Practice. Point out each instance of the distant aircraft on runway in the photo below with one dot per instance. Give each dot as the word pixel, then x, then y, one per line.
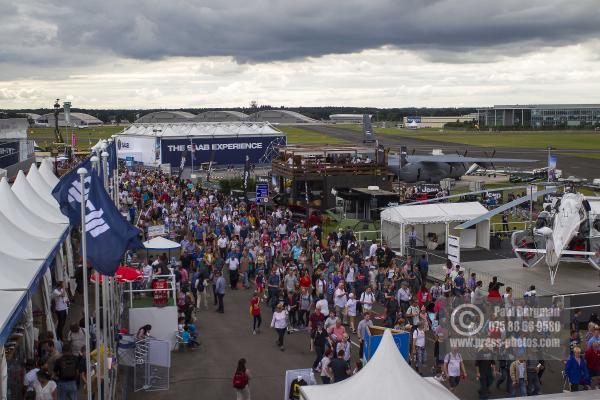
pixel 435 167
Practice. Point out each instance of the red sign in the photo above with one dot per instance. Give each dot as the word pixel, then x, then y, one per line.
pixel 160 297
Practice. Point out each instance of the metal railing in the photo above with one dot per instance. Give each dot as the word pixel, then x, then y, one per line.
pixel 172 289
pixel 511 227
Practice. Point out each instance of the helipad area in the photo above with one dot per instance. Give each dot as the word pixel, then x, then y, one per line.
pixel 221 143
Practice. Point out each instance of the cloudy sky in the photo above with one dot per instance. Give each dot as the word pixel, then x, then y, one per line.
pixel 225 53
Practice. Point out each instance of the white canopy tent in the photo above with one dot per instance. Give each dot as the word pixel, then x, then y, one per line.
pixel 35 202
pixel 439 219
pixel 380 379
pixel 46 168
pixel 40 186
pixel 160 243
pixel 20 215
pixel 32 232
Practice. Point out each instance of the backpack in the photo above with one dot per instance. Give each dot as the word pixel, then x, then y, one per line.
pixel 240 380
pixel 68 368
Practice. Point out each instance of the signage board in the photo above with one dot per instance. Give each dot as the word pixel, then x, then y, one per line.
pixel 453 249
pixel 262 193
pixel 142 149
pixel 156 230
pixel 222 151
pixel 129 160
pixel 9 152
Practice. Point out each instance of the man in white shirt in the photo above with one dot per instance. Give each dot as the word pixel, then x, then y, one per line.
pixel 339 301
pixel 61 307
pixel 367 299
pixel 323 305
pixel 418 347
pixel 233 263
pixel 222 243
pixel 373 249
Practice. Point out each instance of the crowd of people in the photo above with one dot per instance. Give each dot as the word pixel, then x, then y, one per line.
pixel 330 286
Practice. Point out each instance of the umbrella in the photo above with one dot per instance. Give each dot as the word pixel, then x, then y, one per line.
pixel 123 274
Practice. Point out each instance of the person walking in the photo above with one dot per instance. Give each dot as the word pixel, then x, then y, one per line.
pixel 255 312
pixel 66 370
pixel 279 322
pixel 61 307
pixel 576 370
pixel 220 291
pixel 241 381
pixel 363 326
pixel 454 368
pixel 320 339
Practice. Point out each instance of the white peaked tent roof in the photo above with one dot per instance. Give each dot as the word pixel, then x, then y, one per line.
pixel 41 186
pixel 20 215
pixel 35 202
pixel 433 213
pixel 47 173
pixel 20 244
pixel 160 243
pixel 9 303
pixel 17 274
pixel 386 376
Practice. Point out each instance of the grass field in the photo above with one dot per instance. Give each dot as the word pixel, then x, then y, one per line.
pixel 297 135
pixel 586 140
pixel 86 137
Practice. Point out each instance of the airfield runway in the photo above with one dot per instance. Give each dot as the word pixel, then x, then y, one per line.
pixel 576 166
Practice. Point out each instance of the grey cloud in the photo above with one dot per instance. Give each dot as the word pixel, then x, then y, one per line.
pixel 268 30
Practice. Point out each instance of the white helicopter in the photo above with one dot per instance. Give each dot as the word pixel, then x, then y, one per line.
pixel 568 229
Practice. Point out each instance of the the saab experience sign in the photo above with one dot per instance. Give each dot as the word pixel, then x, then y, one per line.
pixel 219 150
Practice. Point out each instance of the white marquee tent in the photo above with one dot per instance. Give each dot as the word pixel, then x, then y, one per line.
pixel 386 376
pixel 32 234
pixel 160 243
pixel 439 219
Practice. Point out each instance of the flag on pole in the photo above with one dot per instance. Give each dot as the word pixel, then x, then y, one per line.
pixel 108 234
pixel 67 191
pixel 246 175
pixel 112 157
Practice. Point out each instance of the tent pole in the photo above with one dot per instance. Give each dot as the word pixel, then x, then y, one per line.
pixel 86 308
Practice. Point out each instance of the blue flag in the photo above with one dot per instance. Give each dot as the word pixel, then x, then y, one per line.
pixel 112 157
pixel 68 195
pixel 108 234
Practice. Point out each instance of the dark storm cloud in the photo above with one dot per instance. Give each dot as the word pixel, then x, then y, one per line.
pixel 266 30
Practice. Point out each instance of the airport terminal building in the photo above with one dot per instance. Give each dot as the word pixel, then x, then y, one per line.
pixel 541 115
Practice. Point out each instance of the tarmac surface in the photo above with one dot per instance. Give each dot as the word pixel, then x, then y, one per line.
pixel 207 372
pixel 576 166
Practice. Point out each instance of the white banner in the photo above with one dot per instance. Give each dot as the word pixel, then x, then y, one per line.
pixel 454 249
pixel 142 149
pixel 156 230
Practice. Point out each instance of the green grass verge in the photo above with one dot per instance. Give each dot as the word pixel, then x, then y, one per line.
pixel 587 140
pixel 594 156
pixel 296 135
pixel 44 137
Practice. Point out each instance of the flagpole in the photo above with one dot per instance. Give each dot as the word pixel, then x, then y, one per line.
pixel 105 300
pixel 95 160
pixel 86 307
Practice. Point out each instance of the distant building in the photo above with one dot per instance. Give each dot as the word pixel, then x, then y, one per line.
pixel 436 122
pixel 540 115
pixel 220 116
pixel 160 117
pixel 281 117
pixel 347 118
pixel 77 120
pixel 16 151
